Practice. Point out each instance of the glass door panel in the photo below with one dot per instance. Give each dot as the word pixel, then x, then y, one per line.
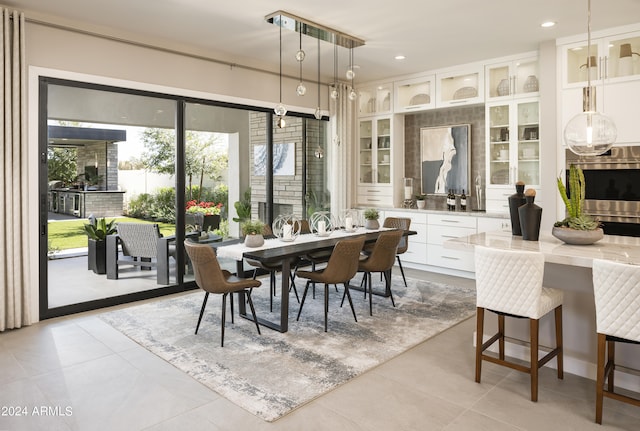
pixel 528 143
pixel 499 148
pixel 383 128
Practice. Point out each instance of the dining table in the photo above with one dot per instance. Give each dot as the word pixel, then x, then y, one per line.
pixel 288 253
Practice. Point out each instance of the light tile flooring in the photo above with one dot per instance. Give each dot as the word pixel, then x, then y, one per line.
pixel 110 383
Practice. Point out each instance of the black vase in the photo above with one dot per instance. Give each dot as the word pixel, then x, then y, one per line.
pixel 97 256
pixel 516 201
pixel 530 217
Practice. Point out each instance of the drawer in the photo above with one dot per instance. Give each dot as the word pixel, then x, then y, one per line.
pixel 417 253
pixel 437 255
pixel 375 191
pixel 497 206
pixel 488 224
pixel 439 234
pixel 452 220
pixel 416 218
pixel 421 234
pixel 375 201
pixel 503 194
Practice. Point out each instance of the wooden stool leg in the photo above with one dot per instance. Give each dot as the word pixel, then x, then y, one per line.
pixel 559 343
pixel 501 340
pixel 534 324
pixel 602 342
pixel 479 332
pixel 611 358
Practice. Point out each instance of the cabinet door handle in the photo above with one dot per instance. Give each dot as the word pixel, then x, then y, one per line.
pixel 448 236
pixel 512 87
pixel 450 257
pixel 450 221
pixel 457 101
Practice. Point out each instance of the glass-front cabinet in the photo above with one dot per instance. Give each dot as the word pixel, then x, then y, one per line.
pixel 612 58
pixel 513 143
pixel 415 94
pixel 510 79
pixel 375 156
pixel 375 100
pixel 460 87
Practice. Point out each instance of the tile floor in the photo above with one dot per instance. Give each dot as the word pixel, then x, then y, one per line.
pixel 88 376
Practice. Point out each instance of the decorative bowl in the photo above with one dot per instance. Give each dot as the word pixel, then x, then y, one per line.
pixel 577 237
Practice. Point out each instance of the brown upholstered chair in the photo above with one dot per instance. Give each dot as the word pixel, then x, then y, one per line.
pixel 403 223
pixel 212 279
pixel 341 268
pixel 272 268
pixel 381 260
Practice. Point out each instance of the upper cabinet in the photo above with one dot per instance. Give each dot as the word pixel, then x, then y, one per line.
pixel 461 87
pixel 614 58
pixel 512 79
pixel 415 94
pixel 375 100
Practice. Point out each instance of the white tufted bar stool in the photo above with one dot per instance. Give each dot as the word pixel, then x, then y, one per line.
pixel 616 287
pixel 509 283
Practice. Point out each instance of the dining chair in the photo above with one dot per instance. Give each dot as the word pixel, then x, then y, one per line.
pixel 616 288
pixel 213 279
pixel 381 259
pixel 342 266
pixel 509 283
pixel 403 223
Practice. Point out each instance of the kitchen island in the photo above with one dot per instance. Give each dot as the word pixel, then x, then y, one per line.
pixel 567 267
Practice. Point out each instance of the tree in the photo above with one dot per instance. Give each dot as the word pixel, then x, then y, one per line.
pixel 201 155
pixel 62 164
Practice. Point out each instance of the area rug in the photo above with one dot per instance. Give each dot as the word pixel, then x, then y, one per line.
pixel 273 374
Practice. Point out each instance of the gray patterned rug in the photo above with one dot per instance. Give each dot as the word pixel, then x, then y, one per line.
pixel 272 374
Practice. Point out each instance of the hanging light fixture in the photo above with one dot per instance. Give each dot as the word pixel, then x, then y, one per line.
pixel 351 75
pixel 318 112
pixel 279 109
pixel 590 133
pixel 300 55
pixel 334 87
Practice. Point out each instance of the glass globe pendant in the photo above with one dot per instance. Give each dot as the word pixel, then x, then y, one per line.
pixel 280 110
pixel 352 94
pixel 590 133
pixel 301 90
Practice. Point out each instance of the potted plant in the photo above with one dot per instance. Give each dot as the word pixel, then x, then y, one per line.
pixel 97 230
pixel 252 230
pixel 210 212
pixel 421 201
pixel 371 215
pixel 577 227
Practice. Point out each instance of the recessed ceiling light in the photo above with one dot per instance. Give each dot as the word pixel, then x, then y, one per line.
pixel 400 57
pixel 547 24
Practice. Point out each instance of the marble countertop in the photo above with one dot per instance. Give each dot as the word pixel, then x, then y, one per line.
pixel 611 247
pixel 453 213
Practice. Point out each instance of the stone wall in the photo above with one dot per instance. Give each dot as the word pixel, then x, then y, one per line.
pixel 104 156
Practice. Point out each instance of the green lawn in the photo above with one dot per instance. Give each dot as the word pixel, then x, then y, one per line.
pixel 68 234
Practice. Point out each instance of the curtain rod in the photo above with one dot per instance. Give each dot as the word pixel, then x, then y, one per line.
pixel 158 48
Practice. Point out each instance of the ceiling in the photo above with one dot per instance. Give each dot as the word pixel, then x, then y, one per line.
pixel 431 33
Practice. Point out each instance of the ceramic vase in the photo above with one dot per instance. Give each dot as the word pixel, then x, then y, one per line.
pixel 372 224
pixel 530 217
pixel 421 204
pixel 531 84
pixel 516 201
pixel 253 240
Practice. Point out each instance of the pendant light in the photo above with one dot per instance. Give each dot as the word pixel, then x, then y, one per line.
pixel 590 133
pixel 318 112
pixel 300 55
pixel 350 75
pixel 334 88
pixel 279 109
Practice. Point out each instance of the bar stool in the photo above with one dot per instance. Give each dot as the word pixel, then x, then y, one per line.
pixel 509 283
pixel 616 288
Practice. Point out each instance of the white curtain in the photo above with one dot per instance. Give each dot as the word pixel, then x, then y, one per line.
pixel 14 250
pixel 342 142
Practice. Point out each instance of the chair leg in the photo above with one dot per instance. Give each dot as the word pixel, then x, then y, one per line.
pixel 304 295
pixel 346 291
pixel 326 305
pixel 368 284
pixel 611 353
pixel 387 276
pixel 501 339
pixel 253 312
pixel 224 312
pixel 231 304
pixel 401 270
pixel 534 324
pixel 204 304
pixel 602 346
pixel 559 342
pixel 293 286
pixel 363 284
pixel 479 339
pixel 313 269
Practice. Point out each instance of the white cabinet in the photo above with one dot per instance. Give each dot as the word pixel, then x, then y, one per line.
pixel 442 227
pixel 491 224
pixel 512 79
pixel 415 94
pixel 375 100
pixel 615 74
pixel 460 87
pixel 417 251
pixel 614 58
pixel 380 162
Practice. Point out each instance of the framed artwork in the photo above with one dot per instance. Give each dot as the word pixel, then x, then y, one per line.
pixel 445 157
pixel 284 159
